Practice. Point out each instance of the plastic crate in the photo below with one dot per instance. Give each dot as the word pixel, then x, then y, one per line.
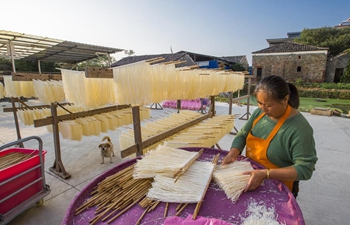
pixel 19 175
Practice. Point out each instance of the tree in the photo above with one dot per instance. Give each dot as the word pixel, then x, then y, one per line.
pixel 5 65
pixel 101 61
pixel 237 67
pixel 337 40
pixel 345 78
pixel 129 52
pixel 27 66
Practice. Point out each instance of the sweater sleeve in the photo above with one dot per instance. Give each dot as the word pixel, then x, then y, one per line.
pixel 240 140
pixel 304 154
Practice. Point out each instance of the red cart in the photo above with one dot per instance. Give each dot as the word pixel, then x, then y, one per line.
pixel 22 185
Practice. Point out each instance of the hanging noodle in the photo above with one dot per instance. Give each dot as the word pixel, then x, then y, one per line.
pixel 49 91
pixel 158 82
pixel 2 91
pixel 18 88
pixel 88 93
pixel 129 78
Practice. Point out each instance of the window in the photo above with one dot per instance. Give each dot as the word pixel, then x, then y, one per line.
pixel 299 69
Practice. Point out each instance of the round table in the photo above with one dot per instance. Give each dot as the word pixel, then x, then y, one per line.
pixel 272 193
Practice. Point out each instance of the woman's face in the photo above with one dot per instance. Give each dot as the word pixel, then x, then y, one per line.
pixel 272 108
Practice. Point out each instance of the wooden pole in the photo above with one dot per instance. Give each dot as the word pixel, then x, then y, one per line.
pixel 57 167
pixel 16 121
pixel 137 130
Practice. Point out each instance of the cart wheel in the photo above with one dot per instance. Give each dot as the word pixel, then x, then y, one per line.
pixel 39 203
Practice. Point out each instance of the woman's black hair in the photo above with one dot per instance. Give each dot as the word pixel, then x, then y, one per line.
pixel 278 89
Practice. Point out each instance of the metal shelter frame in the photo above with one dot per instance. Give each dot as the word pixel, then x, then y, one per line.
pixel 14 45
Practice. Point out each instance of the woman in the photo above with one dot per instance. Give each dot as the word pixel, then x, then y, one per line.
pixel 277 136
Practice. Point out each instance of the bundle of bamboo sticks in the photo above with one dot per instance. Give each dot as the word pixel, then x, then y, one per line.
pixel 115 194
pixel 13 158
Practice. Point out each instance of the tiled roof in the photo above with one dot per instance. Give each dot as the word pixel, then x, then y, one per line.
pixel 235 59
pixel 290 47
pixel 167 58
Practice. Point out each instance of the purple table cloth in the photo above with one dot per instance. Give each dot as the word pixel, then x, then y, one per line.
pixel 272 193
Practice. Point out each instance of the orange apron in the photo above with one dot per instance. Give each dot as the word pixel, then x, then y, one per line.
pixel 256 148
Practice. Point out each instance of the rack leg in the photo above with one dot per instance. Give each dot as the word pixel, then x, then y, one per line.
pixel 57 167
pixel 156 106
pixel 234 133
pixel 16 122
pixel 245 114
pixel 59 170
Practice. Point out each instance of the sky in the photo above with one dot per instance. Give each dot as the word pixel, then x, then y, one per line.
pixel 217 27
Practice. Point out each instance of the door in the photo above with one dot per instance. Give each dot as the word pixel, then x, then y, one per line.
pixel 258 73
pixel 337 74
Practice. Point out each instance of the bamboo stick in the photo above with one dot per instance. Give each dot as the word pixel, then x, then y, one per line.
pixel 124 210
pixel 178 207
pixel 143 214
pixel 183 169
pixel 180 210
pixel 166 209
pixel 155 204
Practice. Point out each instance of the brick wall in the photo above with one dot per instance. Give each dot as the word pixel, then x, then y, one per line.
pixel 312 66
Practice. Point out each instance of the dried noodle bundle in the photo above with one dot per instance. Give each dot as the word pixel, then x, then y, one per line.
pixel 152 163
pixel 204 134
pixel 190 188
pixel 230 178
pixel 153 128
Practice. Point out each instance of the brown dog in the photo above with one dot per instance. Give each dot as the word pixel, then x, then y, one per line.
pixel 106 149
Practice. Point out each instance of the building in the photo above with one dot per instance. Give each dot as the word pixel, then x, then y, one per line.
pixel 209 61
pixel 344 24
pixel 336 67
pixel 179 56
pixel 290 37
pixel 190 58
pixel 292 61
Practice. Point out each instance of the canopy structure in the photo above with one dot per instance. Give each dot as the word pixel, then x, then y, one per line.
pixel 15 45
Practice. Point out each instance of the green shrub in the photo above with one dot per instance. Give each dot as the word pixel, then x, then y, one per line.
pixel 324 93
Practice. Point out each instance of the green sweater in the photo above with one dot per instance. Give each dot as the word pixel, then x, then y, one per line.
pixel 292 145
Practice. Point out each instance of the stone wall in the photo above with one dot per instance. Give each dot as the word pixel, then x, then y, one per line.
pixel 312 66
pixel 336 63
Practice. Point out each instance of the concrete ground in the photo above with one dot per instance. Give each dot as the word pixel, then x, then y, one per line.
pixel 324 199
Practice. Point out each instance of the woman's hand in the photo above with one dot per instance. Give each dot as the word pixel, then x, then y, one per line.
pixel 231 156
pixel 256 178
